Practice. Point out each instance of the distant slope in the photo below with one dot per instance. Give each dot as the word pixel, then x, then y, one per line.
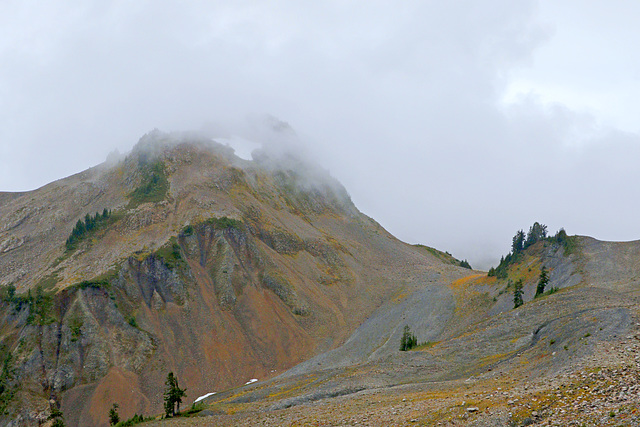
pixel 445 257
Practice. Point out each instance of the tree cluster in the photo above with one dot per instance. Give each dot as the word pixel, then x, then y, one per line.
pixel 537 233
pixel 408 340
pixel 82 228
pixel 7 380
pixel 39 306
pixel 173 395
pixel 519 242
pixel 114 418
pixel 465 264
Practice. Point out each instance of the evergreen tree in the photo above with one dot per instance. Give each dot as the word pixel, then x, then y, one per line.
pixel 465 264
pixel 517 294
pixel 173 395
pixel 11 292
pixel 56 416
pixel 542 281
pixel 561 236
pixel 517 244
pixel 80 229
pixel 88 220
pixel 537 232
pixel 408 340
pixel 114 417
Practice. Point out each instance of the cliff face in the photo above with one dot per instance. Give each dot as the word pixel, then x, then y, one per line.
pixel 198 262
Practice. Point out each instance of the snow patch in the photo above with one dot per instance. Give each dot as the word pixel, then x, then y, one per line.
pixel 242 147
pixel 204 397
pixel 251 381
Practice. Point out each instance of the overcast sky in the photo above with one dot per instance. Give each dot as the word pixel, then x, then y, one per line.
pixel 452 123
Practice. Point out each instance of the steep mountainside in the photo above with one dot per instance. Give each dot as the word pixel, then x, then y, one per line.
pixel 183 257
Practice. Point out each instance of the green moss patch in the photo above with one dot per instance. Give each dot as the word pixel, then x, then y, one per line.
pixel 170 254
pixel 153 187
pixel 223 223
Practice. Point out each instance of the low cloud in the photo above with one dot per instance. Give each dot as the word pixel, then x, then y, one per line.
pixel 403 103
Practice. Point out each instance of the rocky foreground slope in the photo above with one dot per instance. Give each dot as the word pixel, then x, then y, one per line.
pixel 568 357
pixel 183 257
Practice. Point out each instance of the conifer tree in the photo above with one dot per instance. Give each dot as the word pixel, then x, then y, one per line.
pixel 173 395
pixel 517 244
pixel 408 340
pixel 114 417
pixel 542 281
pixel 537 232
pixel 517 294
pixel 56 416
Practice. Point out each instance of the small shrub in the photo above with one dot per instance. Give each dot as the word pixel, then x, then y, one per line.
pixel 102 281
pixel 188 230
pixel 94 284
pixel 75 326
pixel 49 281
pixel 195 408
pixel 10 293
pixel 552 342
pixel 132 321
pixel 136 419
pixel 56 416
pixel 170 254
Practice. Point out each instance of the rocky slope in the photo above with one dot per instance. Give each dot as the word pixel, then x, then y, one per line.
pixel 183 257
pixel 569 356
